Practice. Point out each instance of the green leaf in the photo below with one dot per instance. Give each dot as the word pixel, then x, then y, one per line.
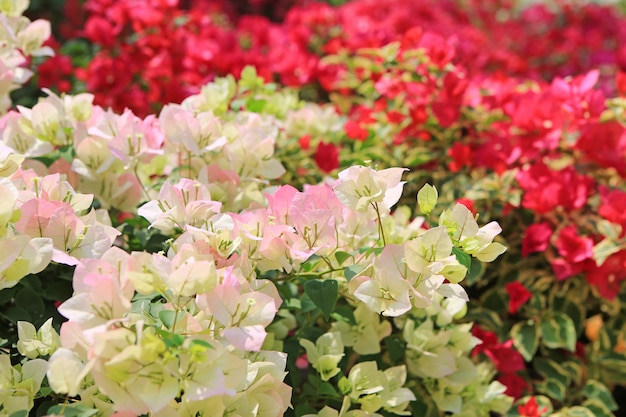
pixel 323 293
pixel 341 256
pixel 167 317
pixel 577 411
pixel 604 249
pixel 559 331
pixel 551 370
pixel 326 389
pixel 427 199
pixel 344 313
pixel 463 258
pixel 574 370
pixel 396 348
pixel 552 388
pixel 595 390
pixel 525 338
pixel 255 106
pixel 306 304
pixel 598 408
pixel 352 271
pixel 27 297
pixel 72 410
pixel 475 272
pixel 21 413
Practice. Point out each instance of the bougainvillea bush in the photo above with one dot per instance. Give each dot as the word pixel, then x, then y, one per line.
pixel 245 252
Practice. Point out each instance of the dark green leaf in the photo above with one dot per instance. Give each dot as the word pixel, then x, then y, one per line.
pixel 598 408
pixel 463 258
pixel 525 338
pixel 323 293
pixel 553 389
pixel 558 331
pixel 595 390
pixel 396 348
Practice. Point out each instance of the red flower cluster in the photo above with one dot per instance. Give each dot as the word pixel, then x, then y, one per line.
pixel 156 51
pixel 531 408
pixel 506 359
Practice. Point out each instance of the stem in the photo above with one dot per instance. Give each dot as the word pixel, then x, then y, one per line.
pixel 380 224
pixel 143 187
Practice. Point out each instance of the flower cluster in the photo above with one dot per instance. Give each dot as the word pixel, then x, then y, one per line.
pixel 269 256
pixel 20 39
pixel 154 52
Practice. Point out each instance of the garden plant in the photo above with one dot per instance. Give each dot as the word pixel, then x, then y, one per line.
pixel 376 208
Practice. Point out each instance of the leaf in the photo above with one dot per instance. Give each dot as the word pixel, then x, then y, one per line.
pixel 559 332
pixel 553 389
pixel 604 249
pixel 551 370
pixel 396 348
pixel 72 410
pixel 463 258
pixel 323 293
pixel 167 317
pixel 577 411
pixel 427 199
pixel 526 338
pixel 255 106
pixel 352 271
pixel 475 272
pixel 598 408
pixel 326 389
pixel 341 256
pixel 595 390
pixel 345 314
pixel 27 297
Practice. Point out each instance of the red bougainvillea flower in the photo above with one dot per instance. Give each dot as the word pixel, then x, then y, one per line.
pixel 516 386
pixel 620 81
pixel 536 238
pixel 573 247
pixel 518 296
pixel 531 408
pixel 327 156
pixel 609 275
pixel 504 356
pixel 545 189
pixel 461 156
pixel 467 203
pixel 304 142
pixel 613 206
pixel 55 72
pixel 605 145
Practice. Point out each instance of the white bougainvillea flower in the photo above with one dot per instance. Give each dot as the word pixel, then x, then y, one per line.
pixel 475 241
pixel 65 372
pixel 33 343
pixel 364 336
pixel 19 384
pixel 325 354
pixel 360 188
